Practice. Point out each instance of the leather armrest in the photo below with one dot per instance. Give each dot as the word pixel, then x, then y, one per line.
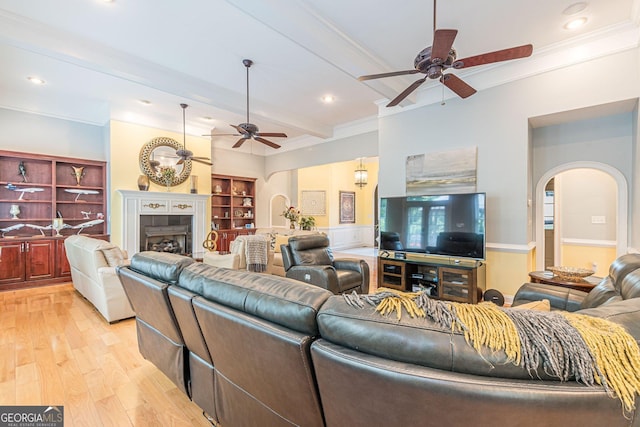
pixel 348 264
pixel 323 276
pixel 559 297
pixel 358 265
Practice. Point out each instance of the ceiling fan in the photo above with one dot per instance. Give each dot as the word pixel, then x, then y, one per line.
pixel 249 130
pixel 183 153
pixel 434 60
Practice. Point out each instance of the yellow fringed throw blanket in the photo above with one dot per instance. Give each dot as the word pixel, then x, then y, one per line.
pixel 590 349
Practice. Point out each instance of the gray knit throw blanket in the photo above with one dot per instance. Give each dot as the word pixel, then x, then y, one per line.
pixel 256 253
pixel 565 345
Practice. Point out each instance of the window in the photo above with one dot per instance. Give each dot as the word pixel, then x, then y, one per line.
pixel 414 231
pixel 436 224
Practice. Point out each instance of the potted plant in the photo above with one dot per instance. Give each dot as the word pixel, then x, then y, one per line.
pixel 306 222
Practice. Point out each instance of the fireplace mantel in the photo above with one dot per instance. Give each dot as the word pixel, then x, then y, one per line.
pixel 136 203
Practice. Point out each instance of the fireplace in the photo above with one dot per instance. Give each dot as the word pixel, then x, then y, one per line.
pixel 166 238
pixel 165 222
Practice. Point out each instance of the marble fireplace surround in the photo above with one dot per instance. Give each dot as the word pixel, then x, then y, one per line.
pixel 136 203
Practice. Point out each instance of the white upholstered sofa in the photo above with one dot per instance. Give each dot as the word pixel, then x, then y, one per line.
pixel 93 264
pixel 236 259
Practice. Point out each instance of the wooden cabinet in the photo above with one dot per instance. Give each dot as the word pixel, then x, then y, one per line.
pixel 225 237
pixel 63 269
pixel 391 274
pixel 34 190
pixel 12 261
pixel 457 281
pixel 26 261
pixel 233 200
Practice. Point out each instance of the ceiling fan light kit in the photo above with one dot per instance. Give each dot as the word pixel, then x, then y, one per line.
pixel 434 60
pixel 248 130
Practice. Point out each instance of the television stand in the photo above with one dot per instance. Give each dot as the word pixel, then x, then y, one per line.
pixel 446 278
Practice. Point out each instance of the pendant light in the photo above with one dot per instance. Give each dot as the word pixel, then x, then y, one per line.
pixel 361 175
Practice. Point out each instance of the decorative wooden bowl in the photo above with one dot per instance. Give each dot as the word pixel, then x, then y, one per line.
pixel 571 274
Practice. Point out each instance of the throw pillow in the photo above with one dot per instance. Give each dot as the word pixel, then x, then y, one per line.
pixel 543 305
pixel 114 256
pixel 281 240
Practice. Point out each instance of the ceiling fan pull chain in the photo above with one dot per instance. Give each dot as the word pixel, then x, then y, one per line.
pixel 247 64
pixel 434 15
pixel 184 129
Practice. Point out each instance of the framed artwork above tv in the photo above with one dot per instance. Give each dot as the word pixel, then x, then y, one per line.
pixel 347 207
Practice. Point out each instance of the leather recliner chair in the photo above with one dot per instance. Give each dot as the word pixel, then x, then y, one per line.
pixel 390 240
pixel 309 259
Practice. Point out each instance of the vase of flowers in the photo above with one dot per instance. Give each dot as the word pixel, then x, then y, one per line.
pixel 292 214
pixel 167 175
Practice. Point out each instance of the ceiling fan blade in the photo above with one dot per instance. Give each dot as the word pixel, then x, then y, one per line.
pixel 239 142
pixel 442 42
pixel 497 56
pixel 276 134
pixel 239 129
pixel 394 73
pixel 267 142
pixel 457 85
pixel 200 160
pixel 406 92
pixel 221 134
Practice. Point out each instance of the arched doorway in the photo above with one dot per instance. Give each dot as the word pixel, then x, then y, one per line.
pixel 621 205
pixel 277 204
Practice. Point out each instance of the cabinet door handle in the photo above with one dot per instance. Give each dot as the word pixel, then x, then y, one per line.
pixel 26 246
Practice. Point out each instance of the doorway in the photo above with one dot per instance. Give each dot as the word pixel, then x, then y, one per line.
pixel 589 210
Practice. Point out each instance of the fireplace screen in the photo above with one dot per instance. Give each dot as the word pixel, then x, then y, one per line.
pixel 166 233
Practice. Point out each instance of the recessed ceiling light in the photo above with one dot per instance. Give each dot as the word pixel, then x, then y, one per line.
pixel 575 23
pixel 575 8
pixel 327 99
pixel 144 102
pixel 35 80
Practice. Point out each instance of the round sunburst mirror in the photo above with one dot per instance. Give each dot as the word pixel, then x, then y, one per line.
pixel 157 159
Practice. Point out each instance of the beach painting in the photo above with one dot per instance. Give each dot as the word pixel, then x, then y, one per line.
pixel 444 172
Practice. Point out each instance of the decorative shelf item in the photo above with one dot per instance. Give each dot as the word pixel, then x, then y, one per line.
pixel 571 274
pixel 11 228
pixel 80 192
pixel 78 172
pixel 23 190
pixel 14 211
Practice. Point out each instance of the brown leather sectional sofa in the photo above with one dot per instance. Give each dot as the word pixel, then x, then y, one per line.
pixel 260 350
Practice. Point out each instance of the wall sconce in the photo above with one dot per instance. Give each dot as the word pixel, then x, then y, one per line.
pixel 361 175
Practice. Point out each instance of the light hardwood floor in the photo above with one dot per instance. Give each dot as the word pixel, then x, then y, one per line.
pixel 57 350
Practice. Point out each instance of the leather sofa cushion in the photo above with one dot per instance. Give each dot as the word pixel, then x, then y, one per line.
pixel 418 341
pixel 630 285
pixel 160 266
pixel 283 301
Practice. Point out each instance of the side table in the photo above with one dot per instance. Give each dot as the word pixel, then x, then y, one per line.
pixel 549 278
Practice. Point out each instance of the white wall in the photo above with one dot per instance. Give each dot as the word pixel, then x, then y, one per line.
pixel 338 150
pixel 607 140
pixel 581 202
pixel 496 120
pixel 45 135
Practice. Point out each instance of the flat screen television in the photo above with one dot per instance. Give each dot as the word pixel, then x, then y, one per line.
pixel 447 224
